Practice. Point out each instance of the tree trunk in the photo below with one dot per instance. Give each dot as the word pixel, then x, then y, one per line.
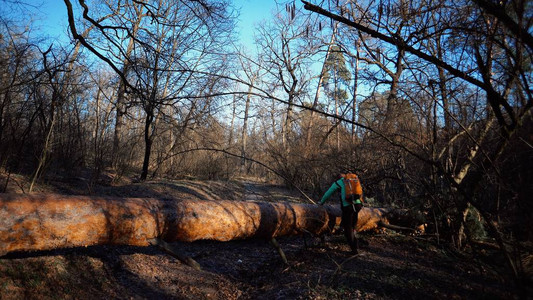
pixel 317 94
pixel 337 104
pixel 121 94
pixel 148 139
pixel 245 124
pixel 119 123
pixel 392 99
pixel 355 81
pixel 232 123
pixel 48 221
pixel 45 151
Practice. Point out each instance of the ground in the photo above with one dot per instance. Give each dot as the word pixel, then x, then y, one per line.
pixel 392 266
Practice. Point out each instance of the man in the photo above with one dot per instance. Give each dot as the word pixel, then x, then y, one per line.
pixel 351 204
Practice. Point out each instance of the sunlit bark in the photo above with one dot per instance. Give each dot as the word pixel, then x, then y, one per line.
pixel 48 221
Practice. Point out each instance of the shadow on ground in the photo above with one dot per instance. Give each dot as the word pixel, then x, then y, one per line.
pixel 391 267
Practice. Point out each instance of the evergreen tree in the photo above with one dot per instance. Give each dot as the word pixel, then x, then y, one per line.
pixel 336 76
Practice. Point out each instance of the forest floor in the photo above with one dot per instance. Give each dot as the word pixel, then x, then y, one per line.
pixel 392 266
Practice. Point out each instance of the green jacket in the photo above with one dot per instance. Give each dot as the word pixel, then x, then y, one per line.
pixel 334 187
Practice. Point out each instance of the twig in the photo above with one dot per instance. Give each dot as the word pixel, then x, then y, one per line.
pixel 172 252
pixel 276 245
pixel 339 266
pixel 395 227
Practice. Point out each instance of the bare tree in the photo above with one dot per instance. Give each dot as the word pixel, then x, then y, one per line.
pixel 166 47
pixel 286 54
pixel 252 75
pixel 456 53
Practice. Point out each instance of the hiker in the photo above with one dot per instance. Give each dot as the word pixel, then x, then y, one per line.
pixel 351 204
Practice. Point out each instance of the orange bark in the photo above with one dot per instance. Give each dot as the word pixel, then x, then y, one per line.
pixel 48 221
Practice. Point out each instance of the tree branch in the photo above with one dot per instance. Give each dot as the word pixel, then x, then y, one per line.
pixel 83 41
pixel 495 99
pixel 498 11
pixel 398 42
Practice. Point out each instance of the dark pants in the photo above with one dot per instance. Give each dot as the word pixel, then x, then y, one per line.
pixel 349 220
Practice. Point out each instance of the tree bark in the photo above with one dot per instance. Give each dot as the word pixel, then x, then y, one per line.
pixel 317 93
pixel 355 82
pixel 148 140
pixel 245 123
pixel 48 221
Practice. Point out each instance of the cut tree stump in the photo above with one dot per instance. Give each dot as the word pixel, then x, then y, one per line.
pixel 48 221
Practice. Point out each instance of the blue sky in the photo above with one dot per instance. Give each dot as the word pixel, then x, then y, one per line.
pixel 52 20
pixel 252 12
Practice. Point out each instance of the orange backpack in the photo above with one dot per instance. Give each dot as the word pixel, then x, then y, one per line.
pixel 352 186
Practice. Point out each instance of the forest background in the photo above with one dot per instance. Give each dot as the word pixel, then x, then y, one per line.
pixel 428 101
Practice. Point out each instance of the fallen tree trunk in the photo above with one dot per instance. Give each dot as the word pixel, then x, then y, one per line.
pixel 48 221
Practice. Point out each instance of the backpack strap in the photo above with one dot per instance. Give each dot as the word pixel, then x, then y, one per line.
pixel 340 187
pixel 336 183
